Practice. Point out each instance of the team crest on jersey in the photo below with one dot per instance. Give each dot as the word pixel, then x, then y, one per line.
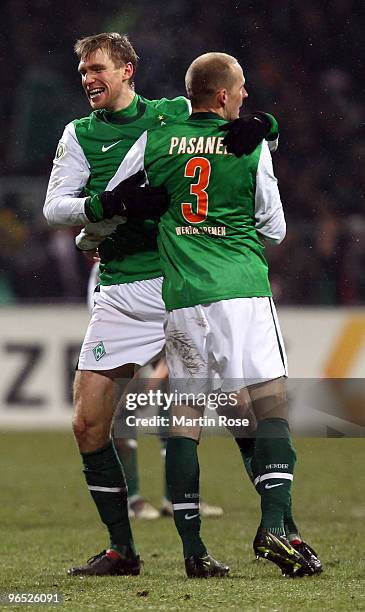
pixel 99 351
pixel 61 150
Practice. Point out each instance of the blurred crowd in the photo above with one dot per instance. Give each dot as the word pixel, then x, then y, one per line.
pixel 302 61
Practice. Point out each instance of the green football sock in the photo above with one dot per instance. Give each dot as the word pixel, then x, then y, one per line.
pixel 182 474
pixel 247 449
pixel 275 460
pixel 166 492
pixel 291 529
pixel 105 479
pixel 127 451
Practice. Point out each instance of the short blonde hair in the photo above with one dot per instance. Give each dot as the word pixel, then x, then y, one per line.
pixel 118 47
pixel 207 74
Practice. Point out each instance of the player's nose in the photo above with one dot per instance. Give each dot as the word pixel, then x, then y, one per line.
pixel 89 78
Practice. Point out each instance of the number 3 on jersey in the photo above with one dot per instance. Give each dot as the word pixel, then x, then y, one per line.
pixel 202 165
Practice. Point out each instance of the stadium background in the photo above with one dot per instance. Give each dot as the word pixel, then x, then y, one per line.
pixel 304 63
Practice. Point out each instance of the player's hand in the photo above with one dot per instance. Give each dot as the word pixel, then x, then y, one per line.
pixel 245 133
pixel 129 199
pixel 92 256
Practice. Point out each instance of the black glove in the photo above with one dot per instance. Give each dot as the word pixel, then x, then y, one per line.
pixel 129 199
pixel 246 132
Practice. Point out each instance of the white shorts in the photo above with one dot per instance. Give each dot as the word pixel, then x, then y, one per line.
pixel 93 281
pixel 126 326
pixel 228 344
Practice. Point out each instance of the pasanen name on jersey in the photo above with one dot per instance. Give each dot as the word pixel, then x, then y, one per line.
pixel 212 145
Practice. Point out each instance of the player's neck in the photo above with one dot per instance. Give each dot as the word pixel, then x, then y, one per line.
pixel 208 109
pixel 124 100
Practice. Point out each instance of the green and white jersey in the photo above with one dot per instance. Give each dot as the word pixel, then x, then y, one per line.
pixel 87 157
pixel 210 238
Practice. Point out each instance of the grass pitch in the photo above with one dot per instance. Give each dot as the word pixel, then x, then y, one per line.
pixel 48 523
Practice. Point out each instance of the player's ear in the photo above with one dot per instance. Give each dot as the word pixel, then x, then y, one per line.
pixel 128 70
pixel 222 97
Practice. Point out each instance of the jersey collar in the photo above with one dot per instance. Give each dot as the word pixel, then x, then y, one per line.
pixel 206 115
pixel 134 111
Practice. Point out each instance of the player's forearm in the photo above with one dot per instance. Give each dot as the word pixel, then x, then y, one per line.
pixel 269 214
pixel 273 228
pixel 65 210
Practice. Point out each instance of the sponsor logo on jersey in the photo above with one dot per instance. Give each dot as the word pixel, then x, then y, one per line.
pixel 279 466
pixel 99 351
pixel 190 230
pixel 279 484
pixel 105 148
